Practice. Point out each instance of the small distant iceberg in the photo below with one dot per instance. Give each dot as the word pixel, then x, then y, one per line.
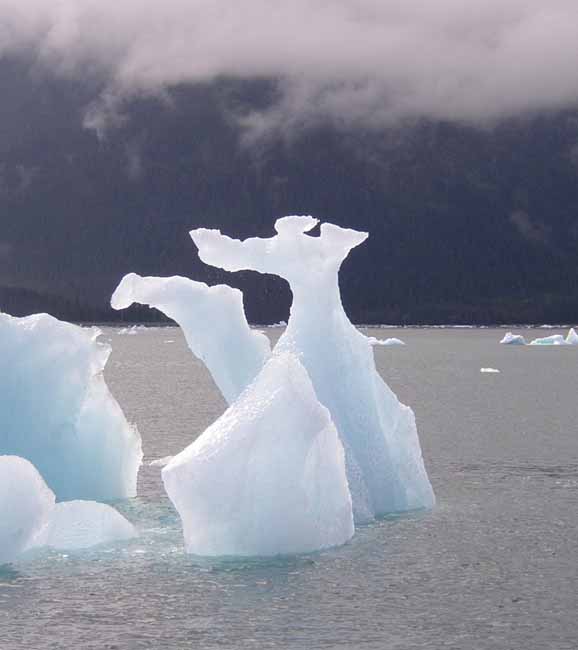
pixel 131 331
pixel 572 337
pixel 513 339
pixel 489 370
pixel 555 339
pixel 385 342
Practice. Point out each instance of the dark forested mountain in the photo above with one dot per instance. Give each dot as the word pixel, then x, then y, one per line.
pixel 466 225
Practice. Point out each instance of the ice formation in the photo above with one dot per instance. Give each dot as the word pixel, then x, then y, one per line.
pixel 57 411
pixel 25 506
pixel 268 477
pixel 133 330
pixel 555 339
pixel 30 516
pixel 489 370
pixel 384 462
pixel 572 337
pixel 213 321
pixel 513 339
pixel 385 342
pixel 74 525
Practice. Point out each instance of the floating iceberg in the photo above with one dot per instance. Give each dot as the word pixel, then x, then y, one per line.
pixel 213 321
pixel 133 330
pixel 555 339
pixel 74 525
pixel 25 506
pixel 385 342
pixel 572 337
pixel 268 477
pixel 57 411
pixel 384 462
pixel 513 339
pixel 489 370
pixel 30 516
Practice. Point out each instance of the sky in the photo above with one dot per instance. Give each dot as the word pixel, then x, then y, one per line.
pixel 353 62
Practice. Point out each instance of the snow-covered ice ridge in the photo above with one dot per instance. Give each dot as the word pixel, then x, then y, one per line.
pixel 267 477
pixel 56 409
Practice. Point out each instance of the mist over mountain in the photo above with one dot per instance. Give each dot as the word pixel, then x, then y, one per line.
pixel 467 223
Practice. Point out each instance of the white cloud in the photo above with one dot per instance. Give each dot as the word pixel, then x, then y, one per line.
pixel 353 61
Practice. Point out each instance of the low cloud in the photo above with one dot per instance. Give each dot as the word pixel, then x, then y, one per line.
pixel 366 62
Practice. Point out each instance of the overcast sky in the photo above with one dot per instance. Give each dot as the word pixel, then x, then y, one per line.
pixel 354 61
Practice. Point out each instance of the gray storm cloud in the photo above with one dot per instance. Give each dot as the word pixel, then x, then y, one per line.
pixel 368 62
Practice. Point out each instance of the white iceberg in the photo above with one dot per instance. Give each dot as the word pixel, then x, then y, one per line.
pixel 384 462
pixel 25 506
pixel 30 516
pixel 555 339
pixel 56 409
pixel 489 370
pixel 572 337
pixel 268 477
pixel 513 339
pixel 133 330
pixel 74 525
pixel 213 322
pixel 384 342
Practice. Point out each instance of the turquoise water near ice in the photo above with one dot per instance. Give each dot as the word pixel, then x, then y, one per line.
pixel 493 566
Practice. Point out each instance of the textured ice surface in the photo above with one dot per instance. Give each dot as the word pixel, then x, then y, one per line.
pixel 384 461
pixel 56 410
pixel 25 505
pixel 82 524
pixel 513 339
pixel 213 321
pixel 268 477
pixel 572 337
pixel 555 339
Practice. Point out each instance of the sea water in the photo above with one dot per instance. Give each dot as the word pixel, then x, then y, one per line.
pixel 493 566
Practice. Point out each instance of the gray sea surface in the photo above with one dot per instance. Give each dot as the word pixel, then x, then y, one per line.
pixel 494 566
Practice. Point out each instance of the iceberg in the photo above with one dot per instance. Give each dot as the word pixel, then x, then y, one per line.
pixel 75 525
pixel 385 342
pixel 513 339
pixel 489 370
pixel 133 330
pixel 384 463
pixel 555 339
pixel 268 477
pixel 572 337
pixel 57 411
pixel 25 506
pixel 30 516
pixel 213 322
